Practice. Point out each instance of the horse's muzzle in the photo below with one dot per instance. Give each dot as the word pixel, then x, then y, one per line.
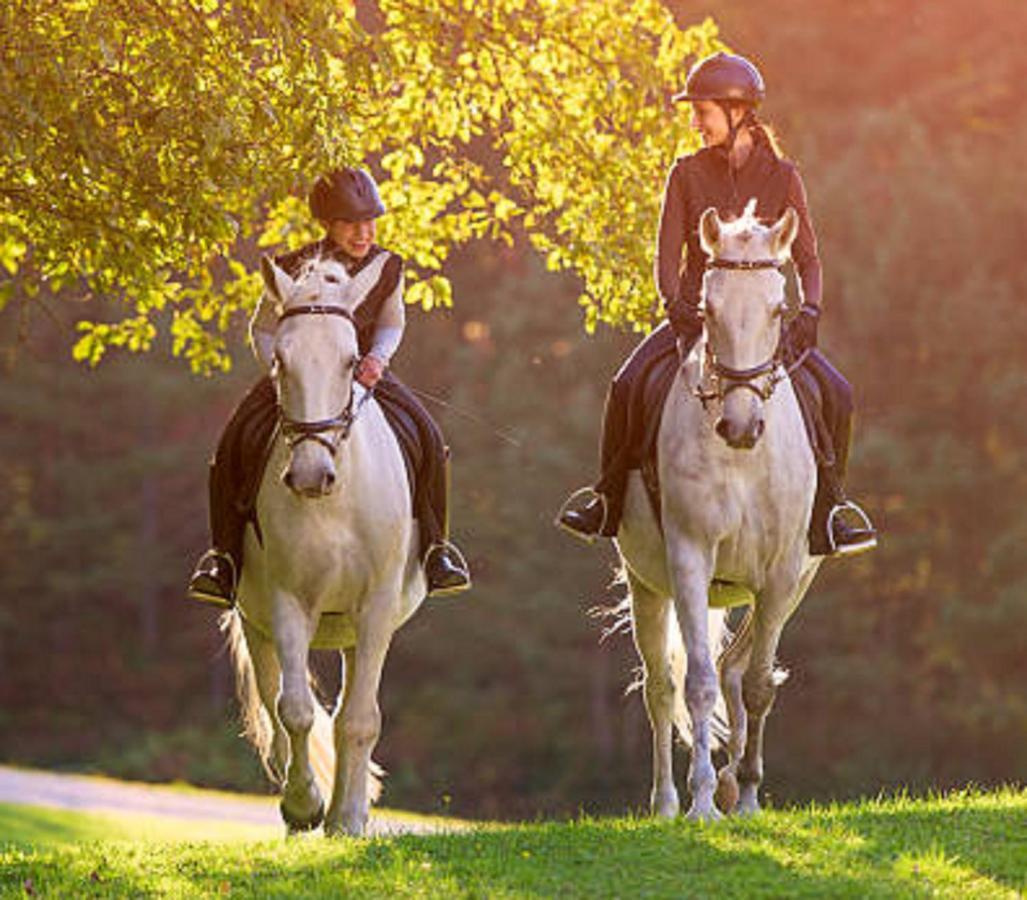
pixel 741 438
pixel 311 487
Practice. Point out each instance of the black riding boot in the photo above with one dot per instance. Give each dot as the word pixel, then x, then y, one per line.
pixel 444 565
pixel 587 522
pixel 214 580
pixel 235 475
pixel 620 447
pixel 446 570
pixel 838 527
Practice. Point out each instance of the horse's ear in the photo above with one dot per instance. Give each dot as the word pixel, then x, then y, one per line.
pixel 709 231
pixel 784 232
pixel 279 285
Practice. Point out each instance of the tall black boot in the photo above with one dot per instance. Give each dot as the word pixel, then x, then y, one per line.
pixel 445 568
pixel 838 527
pixel 584 521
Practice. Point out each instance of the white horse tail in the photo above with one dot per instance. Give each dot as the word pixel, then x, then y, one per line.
pixel 257 727
pixel 719 637
pixel 322 748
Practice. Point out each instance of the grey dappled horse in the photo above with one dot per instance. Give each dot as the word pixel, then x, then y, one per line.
pixel 737 478
pixel 336 563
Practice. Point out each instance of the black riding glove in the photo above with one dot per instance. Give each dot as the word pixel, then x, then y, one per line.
pixel 685 319
pixel 802 333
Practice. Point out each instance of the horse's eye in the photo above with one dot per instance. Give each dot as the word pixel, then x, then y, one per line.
pixel 332 279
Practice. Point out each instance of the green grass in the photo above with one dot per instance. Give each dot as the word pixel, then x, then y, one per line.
pixel 38 826
pixel 965 845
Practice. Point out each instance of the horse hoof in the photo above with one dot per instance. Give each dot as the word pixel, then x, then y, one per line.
pixel 695 814
pixel 665 806
pixel 343 830
pixel 749 804
pixel 726 796
pixel 297 825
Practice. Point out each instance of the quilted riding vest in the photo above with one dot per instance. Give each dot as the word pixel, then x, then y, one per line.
pixel 366 314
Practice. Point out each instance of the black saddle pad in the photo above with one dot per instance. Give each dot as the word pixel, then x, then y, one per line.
pixel 254 426
pixel 404 424
pixel 650 397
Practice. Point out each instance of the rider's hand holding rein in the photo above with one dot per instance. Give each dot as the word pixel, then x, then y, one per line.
pixel 370 370
pixel 802 333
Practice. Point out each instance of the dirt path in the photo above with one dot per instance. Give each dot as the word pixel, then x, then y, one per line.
pixel 87 793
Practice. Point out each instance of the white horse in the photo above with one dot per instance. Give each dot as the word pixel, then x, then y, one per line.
pixel 737 478
pixel 336 563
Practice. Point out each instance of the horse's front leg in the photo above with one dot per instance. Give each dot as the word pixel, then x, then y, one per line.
pixel 690 571
pixel 358 722
pixel 773 608
pixel 649 621
pixel 302 805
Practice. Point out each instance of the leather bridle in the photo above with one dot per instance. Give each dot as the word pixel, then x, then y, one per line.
pixel 296 431
pixel 728 379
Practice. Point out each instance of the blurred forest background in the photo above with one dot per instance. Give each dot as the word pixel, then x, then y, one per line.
pixel 909 666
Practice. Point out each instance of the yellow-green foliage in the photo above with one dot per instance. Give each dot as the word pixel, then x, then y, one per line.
pixel 141 143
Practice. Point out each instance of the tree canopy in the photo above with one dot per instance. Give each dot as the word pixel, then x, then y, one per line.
pixel 149 148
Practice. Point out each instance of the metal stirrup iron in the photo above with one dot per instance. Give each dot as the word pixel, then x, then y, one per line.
pixel 848 550
pixel 580 535
pixel 446 544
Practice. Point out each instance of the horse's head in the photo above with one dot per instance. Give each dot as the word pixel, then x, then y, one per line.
pixel 743 303
pixel 315 354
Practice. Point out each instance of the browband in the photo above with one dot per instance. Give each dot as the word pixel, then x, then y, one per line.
pixel 744 264
pixel 316 310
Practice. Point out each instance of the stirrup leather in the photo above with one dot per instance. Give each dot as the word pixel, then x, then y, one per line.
pixel 571 501
pixel 849 549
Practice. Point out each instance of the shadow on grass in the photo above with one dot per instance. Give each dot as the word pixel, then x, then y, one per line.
pixel 869 851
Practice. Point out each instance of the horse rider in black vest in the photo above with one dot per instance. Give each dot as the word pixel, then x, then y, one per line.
pixel 739 160
pixel 347 204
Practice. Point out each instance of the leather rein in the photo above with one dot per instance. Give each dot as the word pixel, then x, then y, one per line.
pixel 296 431
pixel 745 379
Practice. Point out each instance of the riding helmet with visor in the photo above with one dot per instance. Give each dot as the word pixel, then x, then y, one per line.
pixel 724 78
pixel 349 194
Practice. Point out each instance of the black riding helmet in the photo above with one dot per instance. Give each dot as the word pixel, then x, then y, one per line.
pixel 725 78
pixel 350 194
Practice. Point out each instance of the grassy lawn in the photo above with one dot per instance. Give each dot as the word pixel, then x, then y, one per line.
pixel 963 845
pixel 39 826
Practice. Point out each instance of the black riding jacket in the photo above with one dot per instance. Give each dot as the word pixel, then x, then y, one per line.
pixel 704 179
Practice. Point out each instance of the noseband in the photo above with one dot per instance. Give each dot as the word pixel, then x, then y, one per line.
pixel 744 379
pixel 295 431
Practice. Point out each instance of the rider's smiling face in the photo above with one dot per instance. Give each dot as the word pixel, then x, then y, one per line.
pixel 710 120
pixel 355 238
